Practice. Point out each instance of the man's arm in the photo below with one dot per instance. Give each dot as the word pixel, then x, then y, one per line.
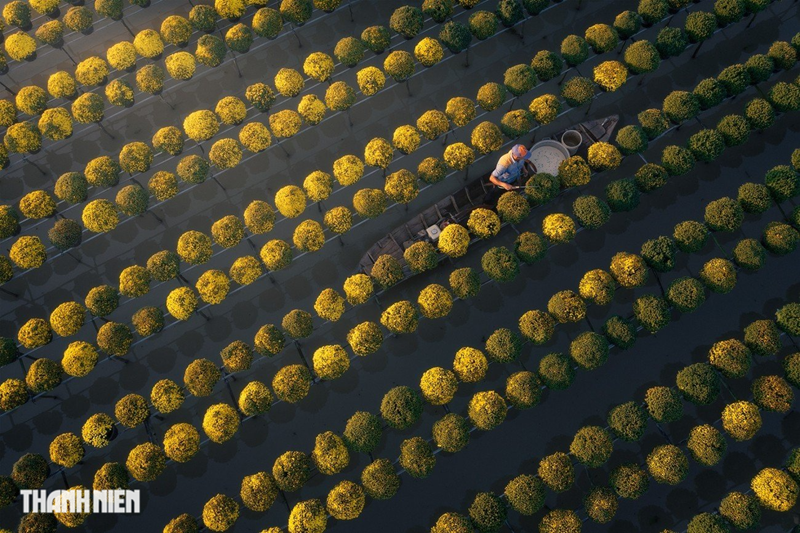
pixel 530 166
pixel 499 183
pixel 498 174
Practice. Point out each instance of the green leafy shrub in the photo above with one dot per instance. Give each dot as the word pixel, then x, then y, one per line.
pixel 132 200
pixel 487 512
pixel 416 457
pixel 362 432
pixel 787 318
pixel 680 106
pixel 376 38
pixel 547 65
pixel 620 332
pixel 719 275
pixel 399 65
pixel 574 50
pixel 525 494
pixel 500 264
pixel 297 323
pixel 146 462
pixel 627 24
pixel 628 421
pixel 724 214
pixel 659 253
pixel 622 195
pixel 545 108
pixel 677 160
pixel 470 365
pixel 566 306
pixel 698 383
pixel 699 26
pixel 686 294
pixel 487 410
pixel 530 247
pixel 339 96
pixel 772 393
pixel 330 454
pixel 387 271
pixel 667 464
pixel 663 404
pixel 775 489
pixel 602 38
pixel 749 254
pixel 516 123
pixel 601 504
pixel 407 21
pixel 610 75
pixel 365 338
pixel 591 446
pixel 652 312
pixel 629 480
pixel 79 359
pixel 556 371
pixel 780 238
pixel 557 472
pixel 706 145
pixel 400 318
pixel 292 383
pixel 114 338
pixel 349 51
pixel 642 57
pixel 782 182
pixel 438 386
pixel 523 389
pixel 148 321
pixel 741 420
pixel 578 91
pixel 380 480
pixel 464 282
pixel 591 211
pixel 654 122
pixel 742 511
pixel 735 79
pixel 200 377
pixel 709 93
pixel 509 12
pixel 297 12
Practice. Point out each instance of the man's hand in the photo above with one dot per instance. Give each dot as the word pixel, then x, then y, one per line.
pixel 506 186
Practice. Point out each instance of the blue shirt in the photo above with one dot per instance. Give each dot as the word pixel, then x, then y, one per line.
pixel 507 169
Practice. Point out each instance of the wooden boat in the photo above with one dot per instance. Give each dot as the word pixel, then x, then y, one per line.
pixel 457 207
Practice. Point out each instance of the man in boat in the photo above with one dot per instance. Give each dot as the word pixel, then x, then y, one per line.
pixel 512 168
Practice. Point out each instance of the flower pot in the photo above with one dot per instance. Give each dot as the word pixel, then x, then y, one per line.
pixel 572 139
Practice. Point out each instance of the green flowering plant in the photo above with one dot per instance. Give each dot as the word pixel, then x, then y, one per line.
pixel 577 91
pixel 574 50
pixel 401 186
pixel 276 254
pixel 193 169
pixel 338 220
pixel 376 38
pixel 399 65
pixel 349 51
pixel 610 75
pixel 210 51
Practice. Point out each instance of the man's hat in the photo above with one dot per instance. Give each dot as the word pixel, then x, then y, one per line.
pixel 519 151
